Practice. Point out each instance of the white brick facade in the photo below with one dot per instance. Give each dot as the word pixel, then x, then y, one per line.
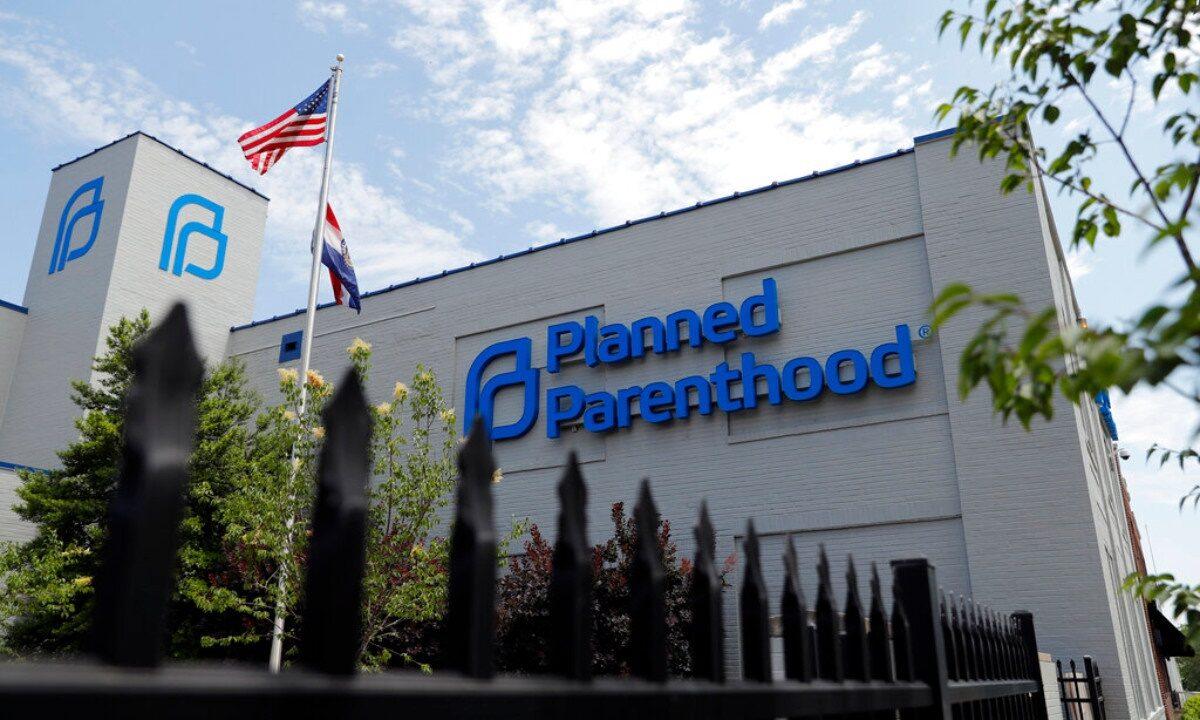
pixel 1018 520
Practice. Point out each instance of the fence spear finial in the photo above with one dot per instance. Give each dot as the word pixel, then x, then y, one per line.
pixel 708 660
pixel 797 640
pixel 571 580
pixel 829 631
pixel 647 594
pixel 854 642
pixel 332 634
pixel 756 628
pixel 134 583
pixel 881 664
pixel 470 607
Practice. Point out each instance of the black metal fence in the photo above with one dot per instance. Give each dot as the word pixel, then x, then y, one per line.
pixel 928 658
pixel 1082 692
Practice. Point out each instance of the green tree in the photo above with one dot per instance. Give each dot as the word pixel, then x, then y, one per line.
pixel 46 608
pixel 267 519
pixel 1077 51
pixel 1189 673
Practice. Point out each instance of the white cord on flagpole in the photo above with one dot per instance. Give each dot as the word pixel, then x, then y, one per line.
pixel 276 659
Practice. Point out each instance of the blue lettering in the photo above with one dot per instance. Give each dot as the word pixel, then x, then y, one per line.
pixel 658 336
pixel 556 413
pixel 816 379
pixel 717 318
pixel 590 325
pixel 600 413
pixel 903 351
pixel 555 346
pixel 833 372
pixel 683 396
pixel 721 378
pixel 695 337
pixel 625 398
pixel 614 344
pixel 750 375
pixel 656 397
pixel 769 302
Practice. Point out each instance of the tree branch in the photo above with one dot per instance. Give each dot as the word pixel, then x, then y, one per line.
pixel 1184 251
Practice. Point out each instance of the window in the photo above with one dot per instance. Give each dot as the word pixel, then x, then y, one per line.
pixel 289 346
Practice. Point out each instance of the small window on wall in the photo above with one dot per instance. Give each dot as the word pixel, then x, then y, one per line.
pixel 289 346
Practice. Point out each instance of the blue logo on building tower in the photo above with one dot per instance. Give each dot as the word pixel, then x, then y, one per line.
pixel 94 209
pixel 728 389
pixel 179 243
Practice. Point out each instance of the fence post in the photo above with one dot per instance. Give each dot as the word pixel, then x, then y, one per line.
pixel 332 633
pixel 647 595
pixel 708 656
pixel 571 580
pixel 917 591
pixel 1095 694
pixel 797 640
pixel 134 583
pixel 471 604
pixel 1032 665
pixel 755 619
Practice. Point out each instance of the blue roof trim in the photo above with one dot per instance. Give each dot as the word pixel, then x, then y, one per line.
pixel 13 306
pixel 17 466
pixel 628 223
pixel 169 146
pixel 928 137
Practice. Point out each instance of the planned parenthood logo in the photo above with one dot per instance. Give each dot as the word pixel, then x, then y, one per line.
pixel 481 401
pixel 731 387
pixel 179 243
pixel 63 252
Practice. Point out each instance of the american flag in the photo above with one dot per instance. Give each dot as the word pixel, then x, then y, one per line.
pixel 301 126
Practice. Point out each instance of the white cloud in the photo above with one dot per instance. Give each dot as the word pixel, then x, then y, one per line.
pixel 60 95
pixel 624 108
pixel 543 231
pixel 1080 261
pixel 871 65
pixel 779 13
pixel 819 48
pixel 377 68
pixel 320 16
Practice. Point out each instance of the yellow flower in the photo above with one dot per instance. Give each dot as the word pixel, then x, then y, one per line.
pixel 82 581
pixel 424 375
pixel 318 432
pixel 315 379
pixel 497 476
pixel 401 391
pixel 383 408
pixel 289 415
pixel 296 462
pixel 448 416
pixel 359 345
pixel 288 375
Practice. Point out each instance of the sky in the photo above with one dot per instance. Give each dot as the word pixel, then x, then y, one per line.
pixel 468 129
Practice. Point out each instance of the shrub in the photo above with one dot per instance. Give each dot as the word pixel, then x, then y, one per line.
pixel 523 608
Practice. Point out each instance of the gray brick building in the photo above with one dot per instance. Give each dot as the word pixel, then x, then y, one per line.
pixel 898 467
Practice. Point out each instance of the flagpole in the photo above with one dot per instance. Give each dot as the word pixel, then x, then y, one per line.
pixel 310 317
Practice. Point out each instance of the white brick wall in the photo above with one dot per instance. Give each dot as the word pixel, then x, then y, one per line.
pixel 1020 520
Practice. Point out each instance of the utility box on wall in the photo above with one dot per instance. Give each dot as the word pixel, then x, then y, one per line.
pixel 132 225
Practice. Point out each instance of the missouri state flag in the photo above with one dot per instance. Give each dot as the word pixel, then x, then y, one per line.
pixel 335 255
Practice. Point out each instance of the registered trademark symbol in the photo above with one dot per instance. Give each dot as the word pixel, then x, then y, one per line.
pixel 924 331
